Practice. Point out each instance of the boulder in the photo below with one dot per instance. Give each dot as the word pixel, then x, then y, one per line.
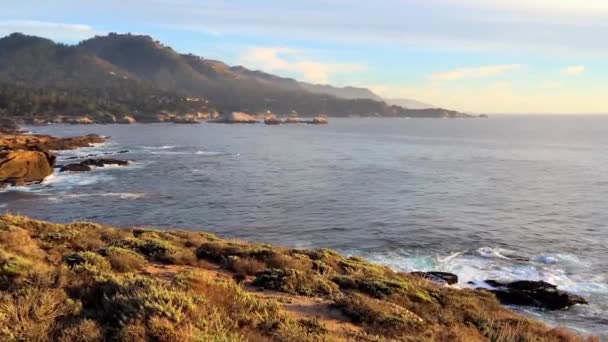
pixel 86 165
pixel 438 277
pixel 74 168
pixel 24 167
pixel 534 293
pixel 104 162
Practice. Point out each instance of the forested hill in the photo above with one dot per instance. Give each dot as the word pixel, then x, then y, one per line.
pixel 126 74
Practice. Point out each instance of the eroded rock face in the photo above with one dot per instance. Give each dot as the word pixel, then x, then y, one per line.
pixel 25 167
pixel 534 293
pixel 438 277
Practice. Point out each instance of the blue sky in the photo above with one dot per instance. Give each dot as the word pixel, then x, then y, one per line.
pixel 490 56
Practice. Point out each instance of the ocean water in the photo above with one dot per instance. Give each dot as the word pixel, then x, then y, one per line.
pixel 511 197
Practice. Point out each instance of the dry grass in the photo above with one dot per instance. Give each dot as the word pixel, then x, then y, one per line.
pixel 88 282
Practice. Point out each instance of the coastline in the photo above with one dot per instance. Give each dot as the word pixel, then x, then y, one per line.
pixel 172 285
pixel 315 297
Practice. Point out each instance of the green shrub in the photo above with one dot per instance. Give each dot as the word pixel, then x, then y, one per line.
pixel 124 260
pixel 87 261
pixel 295 282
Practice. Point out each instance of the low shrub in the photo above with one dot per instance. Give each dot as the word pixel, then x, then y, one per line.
pixel 295 282
pixel 124 260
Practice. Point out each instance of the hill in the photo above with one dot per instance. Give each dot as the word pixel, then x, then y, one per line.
pixel 123 74
pixel 409 103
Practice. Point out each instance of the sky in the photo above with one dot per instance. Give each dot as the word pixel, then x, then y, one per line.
pixel 478 56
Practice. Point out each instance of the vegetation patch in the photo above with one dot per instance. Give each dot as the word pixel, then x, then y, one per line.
pixel 89 282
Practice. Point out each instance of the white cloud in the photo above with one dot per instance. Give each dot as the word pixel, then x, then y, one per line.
pixel 294 62
pixel 573 70
pixel 57 31
pixel 475 73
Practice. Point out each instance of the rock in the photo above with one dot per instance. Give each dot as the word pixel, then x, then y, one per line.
pixel 534 293
pixel 293 119
pixel 103 117
pixel 87 164
pixel 272 120
pixel 235 118
pixel 8 125
pixel 126 120
pixel 82 120
pixel 184 120
pixel 319 120
pixel 438 277
pixel 74 168
pixel 104 162
pixel 24 167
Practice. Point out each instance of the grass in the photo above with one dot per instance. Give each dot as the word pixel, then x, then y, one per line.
pixel 89 282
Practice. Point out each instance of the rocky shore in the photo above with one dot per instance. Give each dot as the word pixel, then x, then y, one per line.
pixel 27 158
pixel 90 282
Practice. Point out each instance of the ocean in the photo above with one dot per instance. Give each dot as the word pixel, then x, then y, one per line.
pixel 510 197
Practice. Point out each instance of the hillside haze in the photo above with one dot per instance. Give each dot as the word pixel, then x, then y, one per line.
pixel 124 73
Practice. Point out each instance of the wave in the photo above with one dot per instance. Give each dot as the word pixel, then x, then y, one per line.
pixel 567 271
pixel 164 147
pixel 198 153
pixel 121 195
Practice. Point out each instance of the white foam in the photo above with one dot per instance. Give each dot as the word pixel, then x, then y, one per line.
pixel 121 195
pixel 200 153
pixel 208 153
pixel 489 252
pixel 164 147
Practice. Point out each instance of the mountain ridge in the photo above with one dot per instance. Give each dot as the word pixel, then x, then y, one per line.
pixel 138 67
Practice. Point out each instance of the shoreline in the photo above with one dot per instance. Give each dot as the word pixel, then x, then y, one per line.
pixel 320 291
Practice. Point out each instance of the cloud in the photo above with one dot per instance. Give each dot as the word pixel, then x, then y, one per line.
pixel 501 97
pixel 475 73
pixel 573 70
pixel 294 63
pixel 57 31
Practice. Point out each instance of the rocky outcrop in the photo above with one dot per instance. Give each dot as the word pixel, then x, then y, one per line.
pixel 103 117
pixel 184 120
pixel 319 120
pixel 235 118
pixel 9 142
pixel 438 277
pixel 87 164
pixel 533 293
pixel 272 120
pixel 82 120
pixel 25 167
pixel 126 120
pixel 293 119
